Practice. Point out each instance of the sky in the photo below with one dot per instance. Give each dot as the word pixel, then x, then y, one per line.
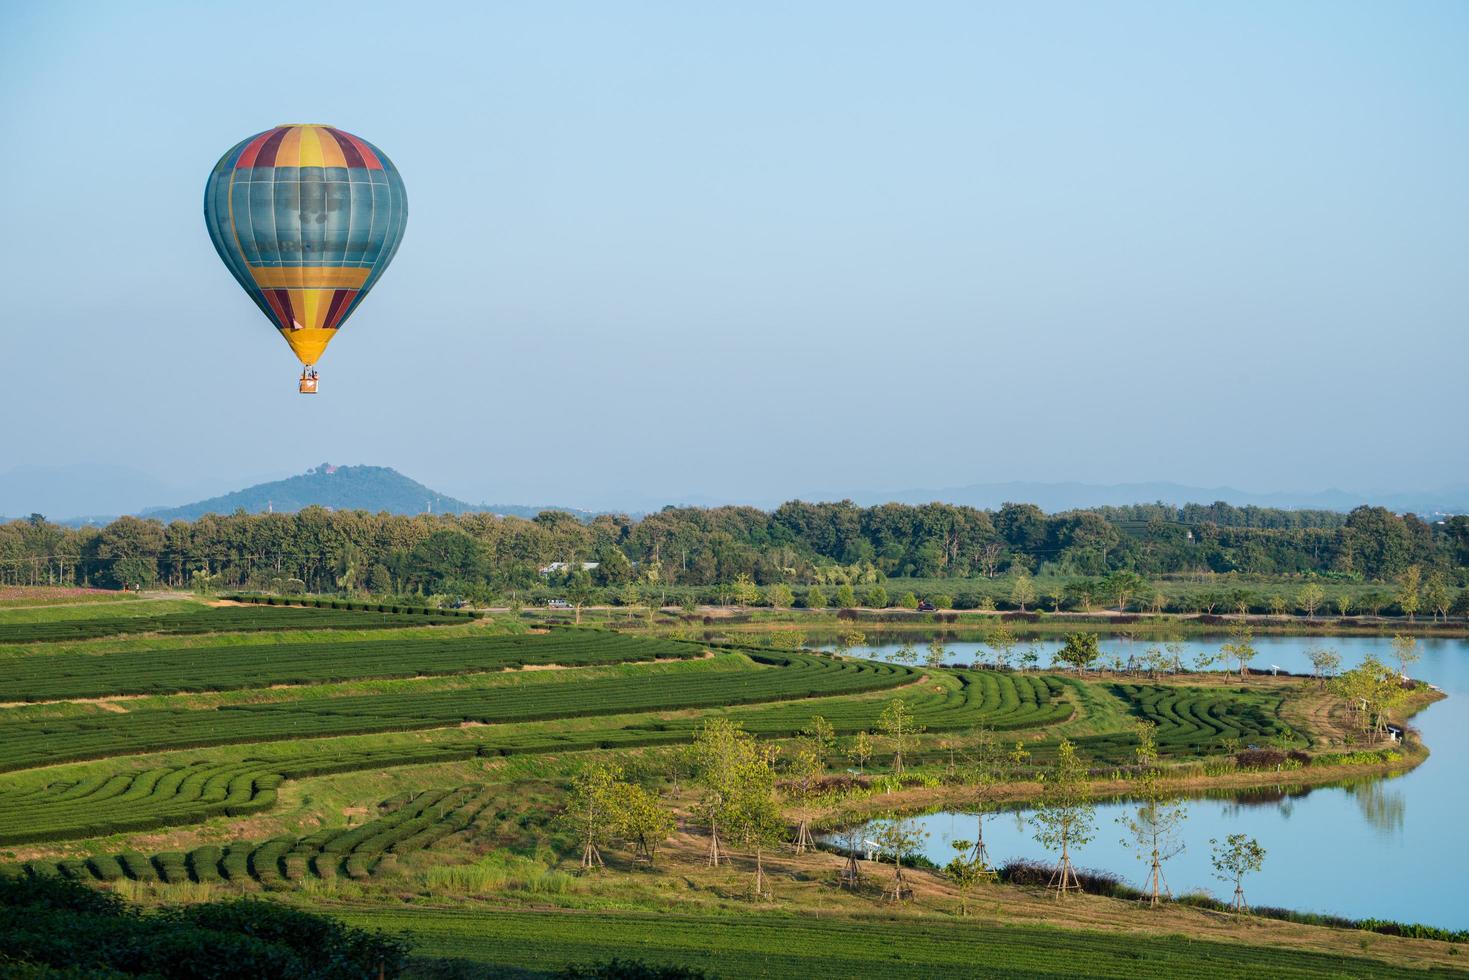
pixel 663 251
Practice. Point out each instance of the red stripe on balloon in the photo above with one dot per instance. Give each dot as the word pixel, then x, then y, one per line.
pixel 266 156
pixel 340 300
pixel 369 158
pixel 279 301
pixel 247 158
pixel 349 148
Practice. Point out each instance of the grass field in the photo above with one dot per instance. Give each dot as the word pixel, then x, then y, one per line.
pixel 826 948
pixel 336 755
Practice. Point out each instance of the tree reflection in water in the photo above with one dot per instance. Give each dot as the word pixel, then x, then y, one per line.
pixel 1382 807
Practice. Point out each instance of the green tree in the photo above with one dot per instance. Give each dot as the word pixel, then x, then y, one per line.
pixel 937 652
pixel 1079 651
pixel 941 600
pixel 1022 592
pixel 579 591
pixel 1408 598
pixel 875 598
pixel 1324 661
pixel 1436 595
pixel 965 871
pixel 815 598
pixel 1000 639
pixel 1310 597
pixel 753 817
pixel 1155 825
pixel 1237 856
pixel 845 597
pixel 591 809
pixel 721 752
pixel 898 837
pixel 745 591
pixel 1065 818
pixel 641 817
pixel 859 750
pixel 1240 648
pixel 1123 586
pixel 1343 603
pixel 780 596
pixel 1405 652
pixel 908 601
pixel 900 730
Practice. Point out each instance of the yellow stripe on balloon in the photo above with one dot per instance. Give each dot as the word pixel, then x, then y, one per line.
pixel 331 151
pixel 310 152
pixel 309 278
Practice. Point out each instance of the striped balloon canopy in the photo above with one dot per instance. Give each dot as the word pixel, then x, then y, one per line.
pixel 306 218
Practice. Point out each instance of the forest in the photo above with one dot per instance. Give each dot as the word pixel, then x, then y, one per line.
pixel 798 543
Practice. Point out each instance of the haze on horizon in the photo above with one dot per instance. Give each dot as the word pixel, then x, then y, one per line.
pixel 657 251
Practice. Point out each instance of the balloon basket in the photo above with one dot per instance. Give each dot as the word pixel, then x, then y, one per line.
pixel 307 386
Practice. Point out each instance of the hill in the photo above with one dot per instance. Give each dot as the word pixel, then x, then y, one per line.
pixel 370 488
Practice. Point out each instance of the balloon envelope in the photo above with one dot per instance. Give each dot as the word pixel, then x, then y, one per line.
pixel 306 218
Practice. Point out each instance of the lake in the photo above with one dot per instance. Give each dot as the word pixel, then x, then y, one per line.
pixel 1384 848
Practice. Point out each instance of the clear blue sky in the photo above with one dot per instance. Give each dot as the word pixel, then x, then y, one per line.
pixel 755 250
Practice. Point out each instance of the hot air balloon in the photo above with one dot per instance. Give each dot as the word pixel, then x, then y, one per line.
pixel 306 218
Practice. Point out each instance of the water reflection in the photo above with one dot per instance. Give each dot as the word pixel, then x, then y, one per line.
pixel 1383 808
pixel 1323 842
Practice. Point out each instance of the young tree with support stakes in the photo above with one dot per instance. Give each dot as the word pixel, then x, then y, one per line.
pixel 937 653
pixel 898 837
pixel 640 817
pixel 899 730
pixel 1065 818
pixel 966 871
pixel 1237 856
pixel 851 875
pixel 1154 828
pixel 805 767
pixel 721 750
pixel 987 766
pixel 592 808
pixel 859 750
pixel 754 817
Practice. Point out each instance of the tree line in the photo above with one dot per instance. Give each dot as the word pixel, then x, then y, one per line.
pixel 798 544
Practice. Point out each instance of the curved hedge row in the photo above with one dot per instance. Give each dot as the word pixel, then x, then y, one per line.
pixel 79 674
pixel 171 796
pixel 414 825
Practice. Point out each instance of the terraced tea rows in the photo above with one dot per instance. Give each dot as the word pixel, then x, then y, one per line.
pixel 28 743
pixel 74 674
pixel 167 796
pixel 1190 719
pixel 223 619
pixel 140 800
pixel 959 700
pixel 411 823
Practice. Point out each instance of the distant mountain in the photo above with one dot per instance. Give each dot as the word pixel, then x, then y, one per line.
pixel 369 488
pixel 1052 497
